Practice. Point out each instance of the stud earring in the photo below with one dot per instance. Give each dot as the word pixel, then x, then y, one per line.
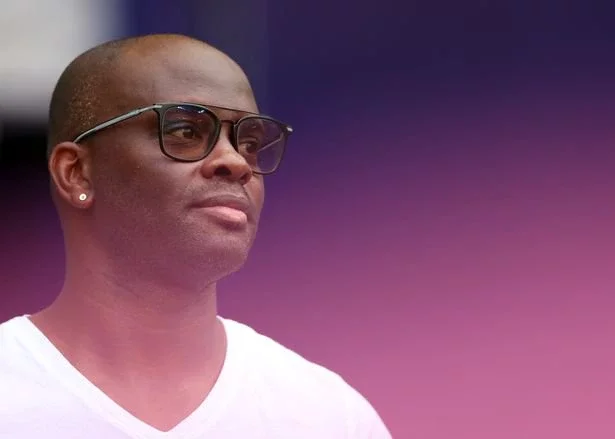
pixel 83 197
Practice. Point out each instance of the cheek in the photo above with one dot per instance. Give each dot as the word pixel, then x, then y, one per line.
pixel 256 191
pixel 132 187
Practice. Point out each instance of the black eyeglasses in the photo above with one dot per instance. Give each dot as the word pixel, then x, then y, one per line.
pixel 189 132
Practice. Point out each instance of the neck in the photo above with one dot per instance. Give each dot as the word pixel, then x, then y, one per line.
pixel 109 321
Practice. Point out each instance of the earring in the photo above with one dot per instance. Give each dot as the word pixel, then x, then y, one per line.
pixel 83 197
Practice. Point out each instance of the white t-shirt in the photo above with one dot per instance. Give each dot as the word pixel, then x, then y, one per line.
pixel 264 391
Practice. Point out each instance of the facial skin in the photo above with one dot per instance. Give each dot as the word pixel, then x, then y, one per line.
pixel 141 209
pixel 137 312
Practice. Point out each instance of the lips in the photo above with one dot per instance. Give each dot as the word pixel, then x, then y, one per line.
pixel 229 209
pixel 230 201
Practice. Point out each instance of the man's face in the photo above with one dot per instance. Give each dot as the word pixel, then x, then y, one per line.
pixel 150 207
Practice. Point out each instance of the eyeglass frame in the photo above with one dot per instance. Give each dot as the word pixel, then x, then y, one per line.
pixel 161 108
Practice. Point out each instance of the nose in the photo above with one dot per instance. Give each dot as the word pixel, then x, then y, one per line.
pixel 224 161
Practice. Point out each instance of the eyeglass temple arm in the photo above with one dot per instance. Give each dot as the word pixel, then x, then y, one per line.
pixel 113 121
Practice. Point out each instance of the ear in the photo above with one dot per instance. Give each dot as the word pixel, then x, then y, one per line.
pixel 70 169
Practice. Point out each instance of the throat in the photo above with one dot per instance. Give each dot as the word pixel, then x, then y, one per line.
pixel 160 403
pixel 159 377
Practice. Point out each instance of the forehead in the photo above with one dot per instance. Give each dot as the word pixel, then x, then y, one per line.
pixel 187 73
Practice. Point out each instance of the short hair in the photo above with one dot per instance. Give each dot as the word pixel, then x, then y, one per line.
pixel 78 94
pixel 82 91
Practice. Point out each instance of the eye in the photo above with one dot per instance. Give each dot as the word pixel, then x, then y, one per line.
pixel 250 140
pixel 249 146
pixel 182 131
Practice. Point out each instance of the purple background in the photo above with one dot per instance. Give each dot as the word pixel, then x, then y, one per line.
pixel 441 232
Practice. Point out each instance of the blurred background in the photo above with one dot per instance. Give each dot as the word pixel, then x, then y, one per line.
pixel 441 232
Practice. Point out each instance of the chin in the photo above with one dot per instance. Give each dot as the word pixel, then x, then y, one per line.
pixel 216 259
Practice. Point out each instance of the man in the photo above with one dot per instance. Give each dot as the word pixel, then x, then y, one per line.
pixel 157 158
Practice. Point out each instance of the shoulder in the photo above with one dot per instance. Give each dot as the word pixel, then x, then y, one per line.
pixel 10 332
pixel 20 353
pixel 19 374
pixel 308 387
pixel 270 357
pixel 15 357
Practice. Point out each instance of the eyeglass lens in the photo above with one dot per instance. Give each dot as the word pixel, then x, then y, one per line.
pixel 190 132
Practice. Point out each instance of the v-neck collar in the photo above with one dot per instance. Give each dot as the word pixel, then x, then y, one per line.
pixel 193 426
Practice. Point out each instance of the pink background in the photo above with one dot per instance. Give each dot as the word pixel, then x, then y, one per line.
pixel 458 269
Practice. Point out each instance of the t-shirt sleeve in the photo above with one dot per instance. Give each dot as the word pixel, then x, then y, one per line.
pixel 364 422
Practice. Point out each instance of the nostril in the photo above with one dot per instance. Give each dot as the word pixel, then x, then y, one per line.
pixel 237 175
pixel 222 171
